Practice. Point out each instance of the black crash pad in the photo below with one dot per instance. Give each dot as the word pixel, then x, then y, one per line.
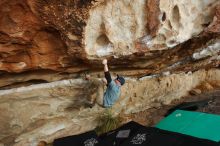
pixel 119 135
pixel 133 134
pixel 151 136
pixel 86 139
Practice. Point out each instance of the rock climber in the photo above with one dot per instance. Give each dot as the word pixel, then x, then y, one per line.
pixel 112 91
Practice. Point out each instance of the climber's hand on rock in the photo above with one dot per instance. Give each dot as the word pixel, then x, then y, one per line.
pixel 104 61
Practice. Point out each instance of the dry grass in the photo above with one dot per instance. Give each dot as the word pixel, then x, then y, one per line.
pixel 107 122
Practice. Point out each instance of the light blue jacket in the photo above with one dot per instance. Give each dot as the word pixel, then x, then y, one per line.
pixel 111 94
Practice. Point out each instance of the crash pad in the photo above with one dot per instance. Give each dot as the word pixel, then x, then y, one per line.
pixel 118 136
pixel 85 139
pixel 151 136
pixel 197 124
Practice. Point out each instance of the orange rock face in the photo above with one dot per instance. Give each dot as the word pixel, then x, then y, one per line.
pixel 214 27
pixel 152 16
pixel 71 36
pixel 26 43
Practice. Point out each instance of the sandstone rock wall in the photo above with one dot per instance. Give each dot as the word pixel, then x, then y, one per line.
pixel 70 36
pixel 52 110
pixel 156 44
pixel 113 27
pixel 26 43
pixel 181 21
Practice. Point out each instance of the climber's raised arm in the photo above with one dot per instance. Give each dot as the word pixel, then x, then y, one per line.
pixel 106 71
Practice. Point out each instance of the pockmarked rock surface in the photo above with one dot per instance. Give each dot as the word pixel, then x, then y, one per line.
pixel 71 36
pixel 164 49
